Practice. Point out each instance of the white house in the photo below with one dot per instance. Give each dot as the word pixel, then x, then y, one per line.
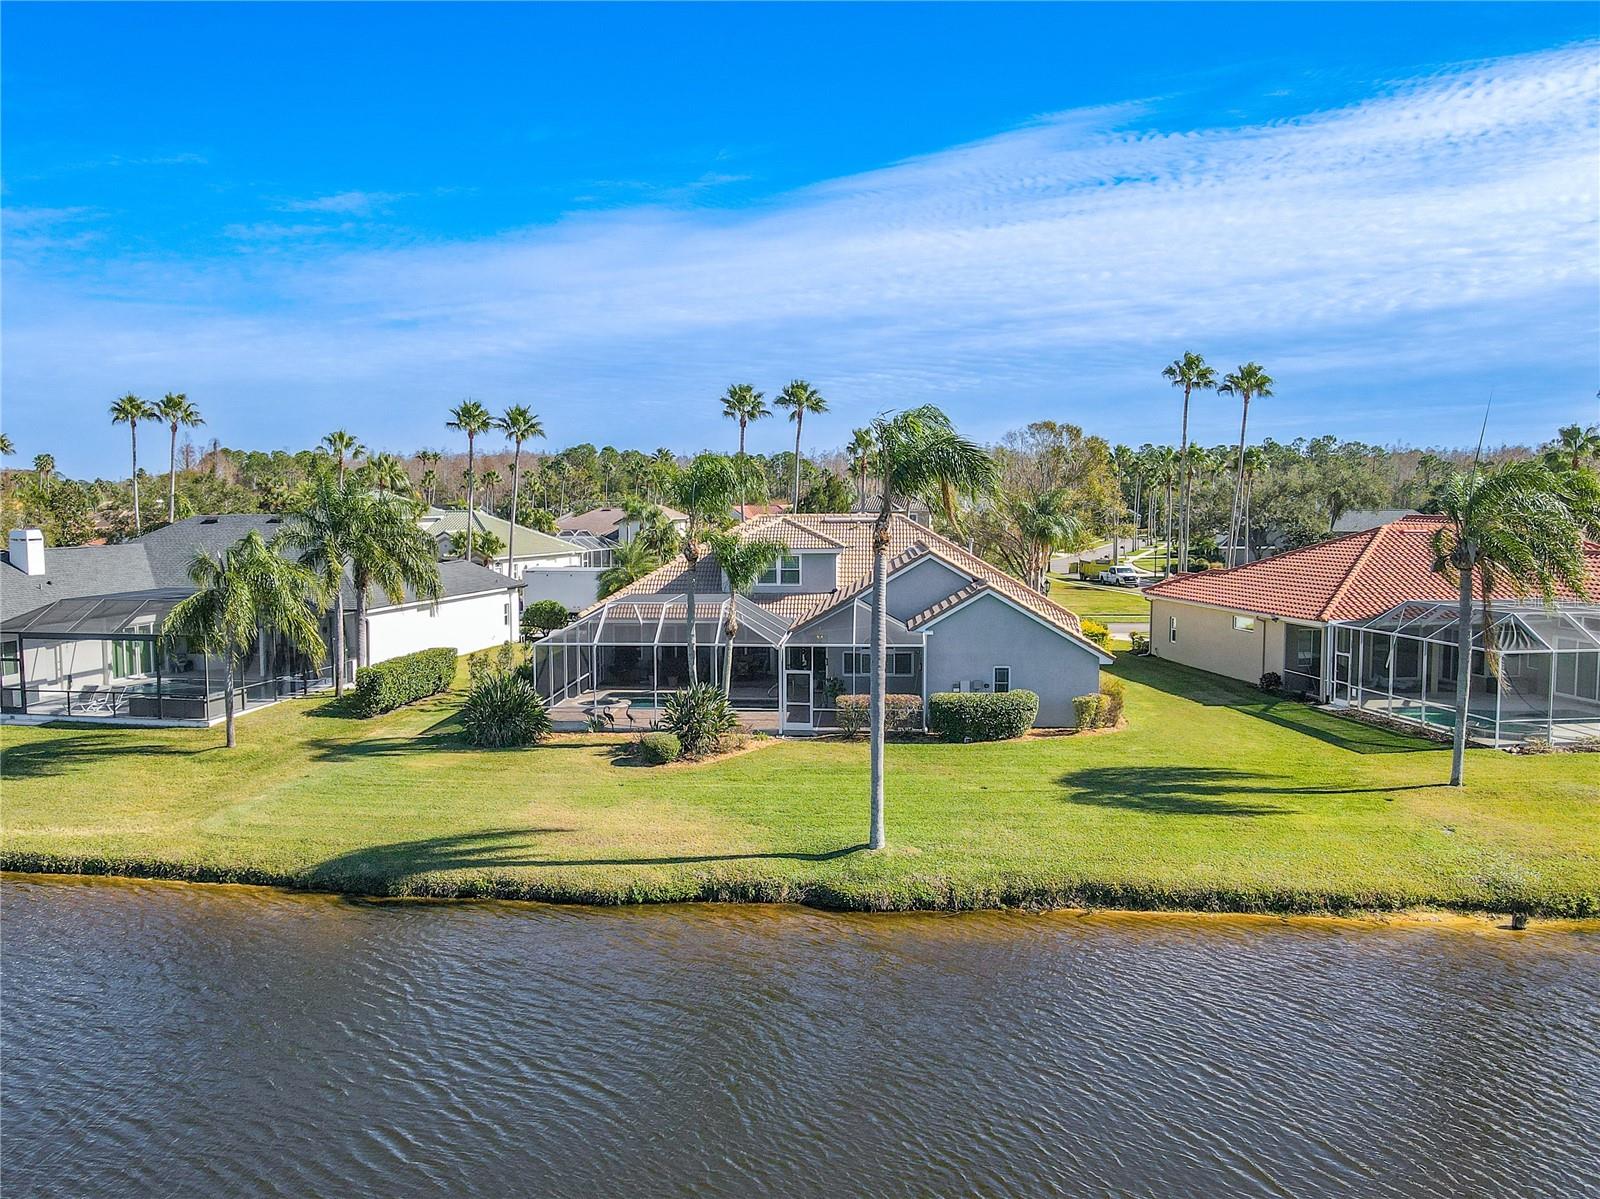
pixel 80 625
pixel 548 567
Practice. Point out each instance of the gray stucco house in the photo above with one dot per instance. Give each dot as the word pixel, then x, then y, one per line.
pixel 956 623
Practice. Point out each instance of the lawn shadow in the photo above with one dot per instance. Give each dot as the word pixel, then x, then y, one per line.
pixel 506 848
pixel 1195 790
pixel 51 759
pixel 1214 691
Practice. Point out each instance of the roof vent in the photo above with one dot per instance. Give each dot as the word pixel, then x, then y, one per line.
pixel 274 520
pixel 208 520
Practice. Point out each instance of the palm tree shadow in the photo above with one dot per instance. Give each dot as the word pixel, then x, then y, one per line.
pixel 501 849
pixel 68 755
pixel 1196 790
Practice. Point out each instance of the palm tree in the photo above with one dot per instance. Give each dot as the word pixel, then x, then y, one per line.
pixel 743 403
pixel 130 410
pixel 519 424
pixel 387 473
pixel 429 483
pixel 1195 462
pixel 629 563
pixel 44 465
pixel 471 418
pixel 491 481
pixel 800 398
pixel 1248 382
pixel 176 409
pixel 916 453
pixel 1192 374
pixel 743 563
pixel 7 446
pixel 1521 524
pixel 324 532
pixel 1574 447
pixel 242 594
pixel 1255 461
pixel 703 492
pixel 390 552
pixel 342 445
pixel 860 453
pixel 1044 523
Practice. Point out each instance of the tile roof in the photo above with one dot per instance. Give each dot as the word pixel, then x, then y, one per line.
pixel 602 522
pixel 531 543
pixel 1344 578
pixel 852 535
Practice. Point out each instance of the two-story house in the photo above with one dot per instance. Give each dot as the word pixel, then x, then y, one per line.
pixel 955 623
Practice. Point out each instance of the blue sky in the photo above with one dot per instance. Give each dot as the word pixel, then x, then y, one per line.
pixel 308 216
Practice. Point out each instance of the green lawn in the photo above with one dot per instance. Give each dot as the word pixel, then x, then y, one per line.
pixel 1215 797
pixel 1099 603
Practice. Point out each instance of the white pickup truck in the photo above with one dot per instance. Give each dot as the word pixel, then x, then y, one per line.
pixel 1124 575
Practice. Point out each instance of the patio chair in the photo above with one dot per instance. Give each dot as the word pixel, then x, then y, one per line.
pixel 92 701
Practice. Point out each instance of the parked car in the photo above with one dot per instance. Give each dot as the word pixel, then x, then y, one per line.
pixel 1124 575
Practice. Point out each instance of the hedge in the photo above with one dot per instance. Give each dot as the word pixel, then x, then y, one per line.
pixel 901 713
pixel 660 748
pixel 385 686
pixel 982 716
pixel 1086 711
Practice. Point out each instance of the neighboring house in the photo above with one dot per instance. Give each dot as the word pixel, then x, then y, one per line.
pixel 613 524
pixel 956 623
pixel 549 567
pixel 1364 620
pixel 1362 519
pixel 918 511
pixel 80 625
pixel 751 511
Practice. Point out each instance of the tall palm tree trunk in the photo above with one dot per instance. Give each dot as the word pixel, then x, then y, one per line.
pixel 472 496
pixel 1167 512
pixel 1458 745
pixel 133 437
pixel 731 628
pixel 172 477
pixel 1244 521
pixel 688 605
pixel 741 482
pixel 1183 494
pixel 799 419
pixel 511 547
pixel 227 697
pixel 361 622
pixel 876 836
pixel 338 641
pixel 1238 489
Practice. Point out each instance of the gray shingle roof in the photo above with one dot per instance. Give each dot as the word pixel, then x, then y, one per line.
pixel 160 559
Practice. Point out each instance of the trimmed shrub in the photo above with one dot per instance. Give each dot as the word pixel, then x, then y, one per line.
pixel 385 686
pixel 1096 632
pixel 701 717
pixel 1271 682
pixel 1085 712
pixel 542 617
pixel 1111 698
pixel 1139 642
pixel 660 748
pixel 982 716
pixel 502 712
pixel 901 714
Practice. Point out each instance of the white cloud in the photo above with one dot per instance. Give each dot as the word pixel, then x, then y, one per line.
pixel 1383 260
pixel 351 203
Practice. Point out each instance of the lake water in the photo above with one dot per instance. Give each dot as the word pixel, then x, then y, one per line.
pixel 177 1041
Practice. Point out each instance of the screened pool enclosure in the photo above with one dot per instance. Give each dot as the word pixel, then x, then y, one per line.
pixel 104 656
pixel 625 657
pixel 1534 673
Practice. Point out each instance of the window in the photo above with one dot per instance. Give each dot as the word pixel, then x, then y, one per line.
pixel 785 572
pixel 899 662
pixel 1172 628
pixel 1244 624
pixel 1002 679
pixel 130 659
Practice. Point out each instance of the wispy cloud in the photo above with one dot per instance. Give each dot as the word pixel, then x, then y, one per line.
pixel 351 203
pixel 1379 258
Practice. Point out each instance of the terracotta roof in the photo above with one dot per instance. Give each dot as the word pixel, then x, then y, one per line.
pixel 852 536
pixel 955 599
pixel 1344 578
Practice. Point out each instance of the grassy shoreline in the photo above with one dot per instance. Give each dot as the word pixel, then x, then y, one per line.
pixel 1215 799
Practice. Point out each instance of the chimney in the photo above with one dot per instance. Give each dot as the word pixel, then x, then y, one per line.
pixel 27 551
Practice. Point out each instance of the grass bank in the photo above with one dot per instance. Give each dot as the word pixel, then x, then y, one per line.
pixel 1099 602
pixel 1215 798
